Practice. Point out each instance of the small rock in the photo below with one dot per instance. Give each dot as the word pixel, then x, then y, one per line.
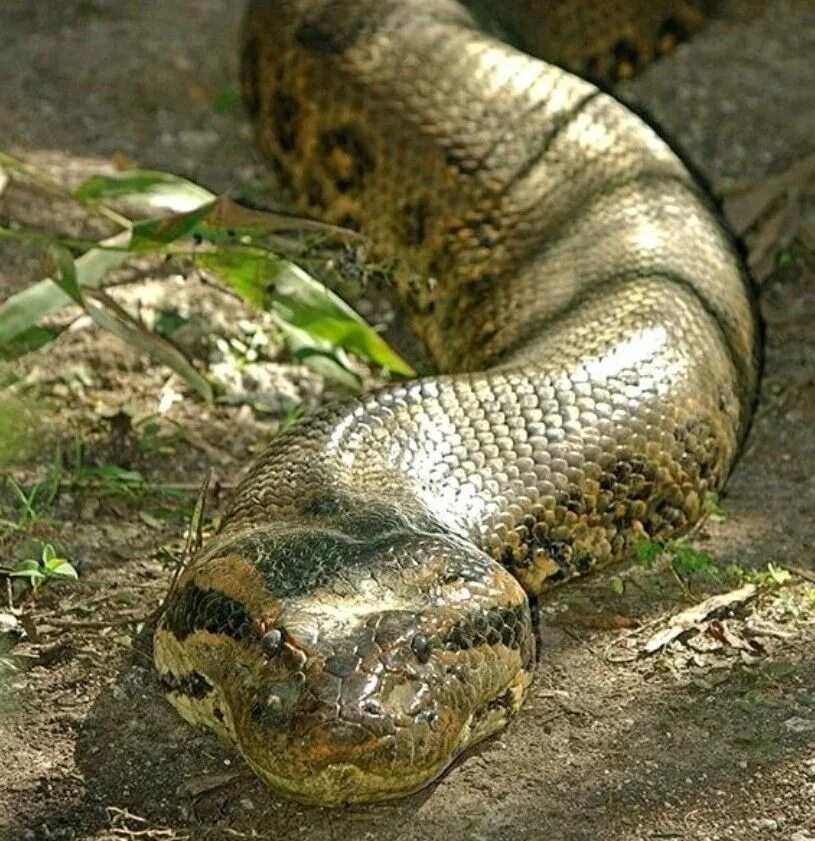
pixel 767 824
pixel 10 625
pixel 796 724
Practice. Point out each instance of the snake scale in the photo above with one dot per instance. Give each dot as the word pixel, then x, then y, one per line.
pixel 363 614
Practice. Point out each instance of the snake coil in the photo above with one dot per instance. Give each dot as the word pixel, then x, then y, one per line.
pixel 363 614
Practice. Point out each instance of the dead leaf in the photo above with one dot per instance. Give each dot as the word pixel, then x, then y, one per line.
pixel 691 618
pixel 722 633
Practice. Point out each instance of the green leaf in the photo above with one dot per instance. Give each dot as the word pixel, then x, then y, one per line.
pixel 112 317
pixel 28 341
pixel 31 570
pixel 26 567
pixel 48 553
pixel 65 273
pixel 61 567
pixel 149 189
pixel 156 233
pixel 250 272
pixel 330 362
pixel 299 300
pixel 230 222
pixel 647 551
pixel 616 585
pixel 303 302
pixel 779 575
pixel 22 311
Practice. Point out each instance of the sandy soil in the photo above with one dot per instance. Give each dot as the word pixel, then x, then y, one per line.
pixel 713 738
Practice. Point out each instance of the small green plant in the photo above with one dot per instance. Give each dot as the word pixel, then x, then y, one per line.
pixel 770 579
pixel 647 551
pixel 111 480
pixel 37 571
pixel 684 560
pixel 260 256
pixel 712 507
pixel 33 503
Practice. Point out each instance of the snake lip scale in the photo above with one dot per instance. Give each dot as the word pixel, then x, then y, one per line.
pixel 363 614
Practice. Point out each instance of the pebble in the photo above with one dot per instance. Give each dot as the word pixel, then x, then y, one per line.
pixel 767 824
pixel 800 725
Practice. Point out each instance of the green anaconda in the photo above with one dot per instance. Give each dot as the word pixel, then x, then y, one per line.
pixel 363 614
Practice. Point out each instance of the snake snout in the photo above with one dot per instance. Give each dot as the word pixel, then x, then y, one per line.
pixel 364 677
pixel 384 702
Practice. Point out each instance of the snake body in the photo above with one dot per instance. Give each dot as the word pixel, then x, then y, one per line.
pixel 363 614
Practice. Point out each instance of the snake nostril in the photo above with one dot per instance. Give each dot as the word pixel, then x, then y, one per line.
pixel 430 717
pixel 271 642
pixel 420 645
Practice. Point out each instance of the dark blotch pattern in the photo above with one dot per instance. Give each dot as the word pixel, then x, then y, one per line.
pixel 415 218
pixel 285 112
pixel 194 685
pixel 193 609
pixel 346 157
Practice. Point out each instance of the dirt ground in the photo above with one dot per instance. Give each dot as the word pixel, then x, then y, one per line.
pixel 710 738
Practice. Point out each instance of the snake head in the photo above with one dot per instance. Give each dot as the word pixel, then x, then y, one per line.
pixel 347 669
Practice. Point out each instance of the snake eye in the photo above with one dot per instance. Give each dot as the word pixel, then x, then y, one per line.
pixel 271 642
pixel 373 708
